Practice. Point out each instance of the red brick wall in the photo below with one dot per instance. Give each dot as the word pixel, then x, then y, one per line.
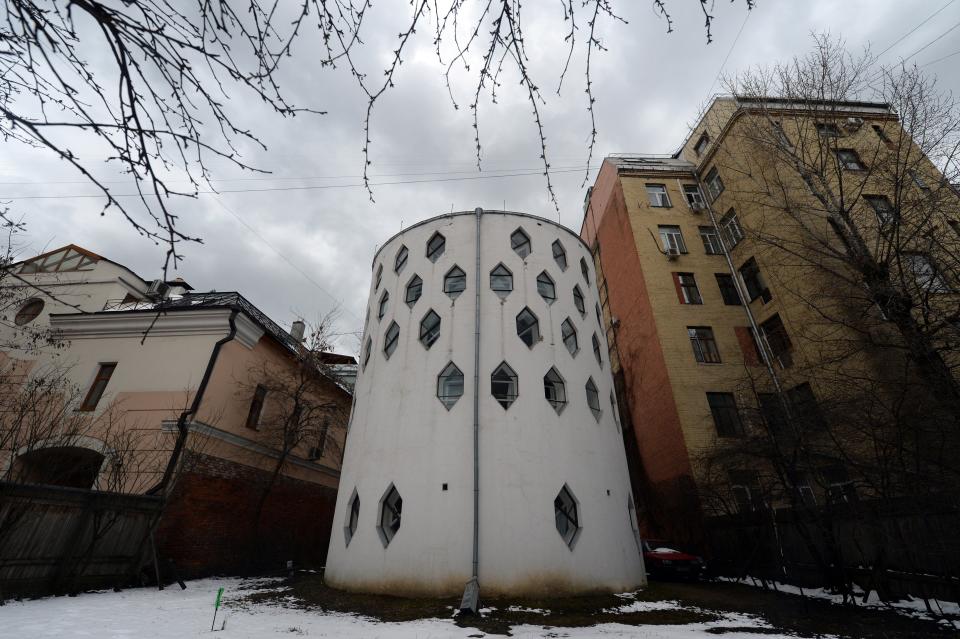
pixel 207 525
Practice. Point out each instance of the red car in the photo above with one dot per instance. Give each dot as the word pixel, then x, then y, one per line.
pixel 664 561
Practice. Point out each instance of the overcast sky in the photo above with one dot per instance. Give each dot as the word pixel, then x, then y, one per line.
pixel 297 253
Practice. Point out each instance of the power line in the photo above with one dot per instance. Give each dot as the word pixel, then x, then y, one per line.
pixel 949 55
pixel 931 42
pixel 904 36
pixel 316 187
pixel 732 47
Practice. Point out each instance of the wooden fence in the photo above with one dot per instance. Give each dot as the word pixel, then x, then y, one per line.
pixel 62 540
pixel 898 549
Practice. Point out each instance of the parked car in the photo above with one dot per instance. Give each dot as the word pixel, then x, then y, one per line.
pixel 664 561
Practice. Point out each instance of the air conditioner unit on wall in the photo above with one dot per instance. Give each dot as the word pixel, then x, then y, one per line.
pixel 157 289
pixel 672 253
pixel 853 124
pixel 698 207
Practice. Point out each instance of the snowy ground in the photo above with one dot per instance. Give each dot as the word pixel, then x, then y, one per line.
pixel 146 613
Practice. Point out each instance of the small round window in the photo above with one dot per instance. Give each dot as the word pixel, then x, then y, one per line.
pixel 28 312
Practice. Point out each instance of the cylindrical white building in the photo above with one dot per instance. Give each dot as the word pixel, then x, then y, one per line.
pixel 555 511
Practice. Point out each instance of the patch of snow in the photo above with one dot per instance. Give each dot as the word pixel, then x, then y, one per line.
pixel 535 611
pixel 644 606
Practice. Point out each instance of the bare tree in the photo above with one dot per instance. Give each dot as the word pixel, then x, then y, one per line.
pixel 156 105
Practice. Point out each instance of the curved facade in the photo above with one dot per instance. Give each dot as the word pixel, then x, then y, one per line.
pixel 555 509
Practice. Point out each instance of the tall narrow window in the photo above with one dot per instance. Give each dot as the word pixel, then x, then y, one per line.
pixel 726 417
pixel 366 351
pixel 546 287
pixel 711 240
pixel 774 333
pixel 429 329
pixel 672 239
pixel 379 278
pixel 578 300
pixel 569 335
pixel 256 407
pixel 454 282
pixel 520 243
pixel 528 327
pixel 384 303
pixel 614 410
pixel 555 390
pixel 806 408
pixel 886 214
pixel 704 345
pixel 694 197
pixel 731 229
pixel 753 281
pixel 849 160
pixel 714 183
pixel 596 349
pixel 390 339
pixel 501 280
pixel 687 291
pixel 435 246
pixel 728 289
pixel 400 260
pixel 353 516
pixel 925 273
pixel 657 195
pixel 882 135
pixel 559 255
pixel 585 271
pixel 450 385
pixel 566 516
pixel 503 385
pixel 593 398
pixel 701 144
pixel 596 308
pixel 918 180
pixel 99 385
pixel 414 290
pixel 391 507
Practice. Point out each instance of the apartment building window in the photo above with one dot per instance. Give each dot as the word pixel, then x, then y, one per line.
pixel 806 408
pixel 955 225
pixel 828 129
pixel 450 385
pixel 745 487
pixel 886 214
pixel 714 183
pixel 414 290
pixel 849 160
pixel 578 300
pixel 840 488
pixel 379 278
pixel 585 271
pixel 569 335
pixel 501 279
pixel 726 417
pixel 593 398
pixel 528 327
pixel 566 516
pixel 435 246
pixel 882 135
pixel 771 409
pixel 657 195
pixel 559 255
pixel 256 407
pixel 520 243
pixel 731 229
pixel 701 144
pixel 918 180
pixel 98 386
pixel 774 334
pixel 672 239
pixel 694 197
pixel 454 282
pixel 546 287
pixel 704 344
pixel 366 351
pixel 400 260
pixel 596 350
pixel 429 329
pixel 728 289
pixel 503 385
pixel 687 290
pixel 925 273
pixel 382 306
pixel 555 390
pixel 753 281
pixel 711 240
pixel 390 339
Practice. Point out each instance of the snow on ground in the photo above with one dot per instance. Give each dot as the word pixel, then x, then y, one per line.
pixel 146 613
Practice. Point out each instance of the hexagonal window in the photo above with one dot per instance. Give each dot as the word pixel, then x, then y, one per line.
pixel 520 242
pixel 596 349
pixel 599 315
pixel 414 290
pixel 379 278
pixel 450 385
pixel 569 335
pixel 435 246
pixel 593 398
pixel 566 511
pixel 546 287
pixel 388 524
pixel 454 282
pixel 366 351
pixel 501 280
pixel 614 411
pixel 503 385
pixel 585 271
pixel 429 329
pixel 400 260
pixel 390 339
pixel 528 327
pixel 578 300
pixel 353 517
pixel 559 255
pixel 555 390
pixel 384 303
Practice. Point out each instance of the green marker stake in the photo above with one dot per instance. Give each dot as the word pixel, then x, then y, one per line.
pixel 216 607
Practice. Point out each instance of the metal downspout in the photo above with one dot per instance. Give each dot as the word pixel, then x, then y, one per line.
pixel 471 593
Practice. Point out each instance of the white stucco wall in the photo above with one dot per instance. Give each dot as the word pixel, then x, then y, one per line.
pixel 402 434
